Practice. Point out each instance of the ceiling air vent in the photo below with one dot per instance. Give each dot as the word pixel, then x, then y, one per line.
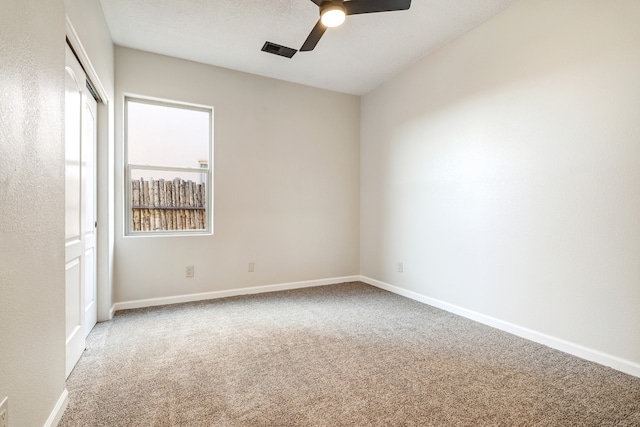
pixel 276 49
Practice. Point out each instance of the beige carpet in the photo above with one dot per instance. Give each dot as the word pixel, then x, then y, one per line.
pixel 342 355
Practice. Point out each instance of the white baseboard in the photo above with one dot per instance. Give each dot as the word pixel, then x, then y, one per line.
pixel 58 410
pixel 578 350
pixel 151 302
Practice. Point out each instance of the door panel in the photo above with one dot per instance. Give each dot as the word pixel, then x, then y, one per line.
pixel 72 189
pixel 74 290
pixel 90 304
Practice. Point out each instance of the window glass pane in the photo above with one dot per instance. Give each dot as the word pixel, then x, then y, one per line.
pixel 167 200
pixel 167 136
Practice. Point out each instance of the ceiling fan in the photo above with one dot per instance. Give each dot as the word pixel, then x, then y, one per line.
pixel 333 14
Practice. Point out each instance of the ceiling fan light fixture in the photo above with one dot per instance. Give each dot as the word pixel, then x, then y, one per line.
pixel 333 15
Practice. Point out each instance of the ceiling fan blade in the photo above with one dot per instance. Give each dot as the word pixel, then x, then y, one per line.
pixel 314 37
pixel 356 7
pixel 318 2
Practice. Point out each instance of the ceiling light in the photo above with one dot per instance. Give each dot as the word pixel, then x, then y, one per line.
pixel 333 15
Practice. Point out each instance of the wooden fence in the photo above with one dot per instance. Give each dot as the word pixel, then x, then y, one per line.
pixel 167 205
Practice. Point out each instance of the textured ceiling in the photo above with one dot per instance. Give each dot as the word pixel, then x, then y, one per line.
pixel 353 58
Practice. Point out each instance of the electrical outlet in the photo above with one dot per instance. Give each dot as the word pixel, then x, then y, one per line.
pixel 189 271
pixel 252 266
pixel 400 267
pixel 4 412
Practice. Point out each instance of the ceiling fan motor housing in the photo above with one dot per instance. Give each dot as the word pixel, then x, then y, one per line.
pixel 327 5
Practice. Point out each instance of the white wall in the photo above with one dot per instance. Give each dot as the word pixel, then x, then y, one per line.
pixel 286 185
pixel 88 22
pixel 504 172
pixel 32 315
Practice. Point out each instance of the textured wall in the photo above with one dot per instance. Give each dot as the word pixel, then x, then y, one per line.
pixel 504 169
pixel 286 190
pixel 32 323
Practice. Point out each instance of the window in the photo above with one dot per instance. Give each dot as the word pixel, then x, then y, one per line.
pixel 168 153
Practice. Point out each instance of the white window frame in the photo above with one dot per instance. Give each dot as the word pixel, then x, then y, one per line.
pixel 206 172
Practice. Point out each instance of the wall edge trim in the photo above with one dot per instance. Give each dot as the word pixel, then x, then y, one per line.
pixel 617 363
pixel 84 59
pixel 58 410
pixel 152 302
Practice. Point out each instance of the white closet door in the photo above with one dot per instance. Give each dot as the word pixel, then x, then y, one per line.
pixel 80 207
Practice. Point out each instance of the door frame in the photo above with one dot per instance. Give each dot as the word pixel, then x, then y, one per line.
pixel 105 180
